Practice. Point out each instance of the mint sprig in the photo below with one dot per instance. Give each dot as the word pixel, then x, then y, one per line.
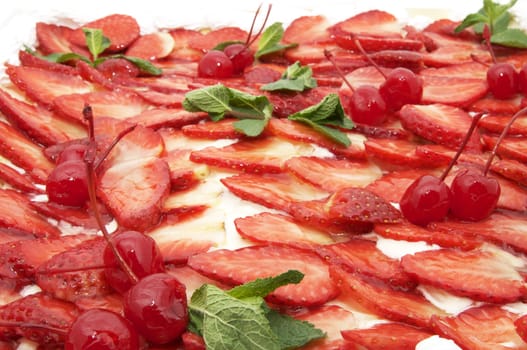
pixel 220 101
pixel 498 19
pixel 97 43
pixel 241 319
pixel 327 117
pixel 295 78
pixel 270 41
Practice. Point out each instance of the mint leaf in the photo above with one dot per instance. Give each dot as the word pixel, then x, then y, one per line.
pixel 263 286
pixel 510 37
pixel 221 46
pixel 292 333
pixel 245 105
pixel 65 57
pixel 145 66
pixel 212 99
pixel 251 127
pixel 470 20
pixel 270 40
pixel 96 41
pixel 295 78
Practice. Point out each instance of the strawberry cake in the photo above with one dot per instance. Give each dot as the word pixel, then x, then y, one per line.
pixel 278 177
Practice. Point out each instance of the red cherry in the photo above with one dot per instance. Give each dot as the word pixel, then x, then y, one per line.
pixel 67 184
pixel 157 306
pixel 367 106
pixel 139 251
pixel 215 64
pixel 402 86
pixel 427 199
pixel 75 152
pixel 522 80
pixel 102 330
pixel 503 80
pixel 240 55
pixel 474 195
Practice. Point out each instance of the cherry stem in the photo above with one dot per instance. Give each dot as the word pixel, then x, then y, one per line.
pixel 368 58
pixel 500 139
pixel 486 36
pixel 475 121
pixel 250 38
pixel 331 59
pixel 118 138
pixel 11 324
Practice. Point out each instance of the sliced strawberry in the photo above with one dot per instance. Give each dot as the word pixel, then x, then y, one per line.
pixel 38 123
pixel 223 129
pixel 252 156
pixel 277 228
pixel 511 169
pixel 485 327
pixel 287 103
pixel 17 213
pixel 53 38
pixel 363 257
pixel 115 104
pixel 179 251
pixel 75 216
pixel 470 70
pixel 52 315
pixel 307 29
pixel 291 130
pixel 166 84
pixel 504 228
pixel 182 51
pixel 364 76
pixel 217 36
pixel 448 54
pixel 398 58
pixel 375 23
pixel 439 123
pixel 496 124
pixel 478 274
pixel 406 231
pixel 120 29
pixel 191 278
pixel 391 186
pixel 246 264
pixel 275 191
pixel 261 74
pixel 17 180
pixel 331 174
pixel 397 152
pixel 150 180
pixel 68 275
pixel 184 173
pixel 156 118
pixel 393 336
pixel 511 147
pixel 93 75
pixel 490 104
pixel 20 259
pixel 385 302
pixel 43 86
pixel 152 46
pixel 112 302
pixel 374 43
pixel 30 60
pixel 452 90
pixel 161 99
pixel 521 327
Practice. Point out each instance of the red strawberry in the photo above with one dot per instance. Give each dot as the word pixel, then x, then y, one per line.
pixel 372 43
pixel 496 124
pixel 17 180
pixel 313 54
pixel 75 216
pixel 246 264
pixel 156 118
pixel 406 231
pixel 521 327
pixel 375 23
pixel 30 60
pixel 112 302
pixel 152 46
pixel 120 29
pixel 453 90
pixel 511 147
pixel 182 51
pixel 511 169
pixel 184 173
pixel 52 315
pixel 470 70
pixel 191 278
pixel 89 73
pixel 385 302
pixel 277 228
pixel 331 174
pixel 262 74
pixel 307 29
pixel 217 36
pixel 76 272
pixel 439 123
pixel 169 100
pixel 275 191
pixel 478 274
pixel 39 124
pixel 398 58
pixel 450 54
pixel 178 251
pixel 53 38
pixel 223 129
pixel 487 327
pixel 490 104
pixel 391 186
pixel 362 256
pixel 21 258
pixel 397 152
pixel 393 336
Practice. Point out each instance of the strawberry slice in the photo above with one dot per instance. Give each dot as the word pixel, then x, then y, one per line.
pixel 246 264
pixel 490 104
pixel 112 302
pixel 181 50
pixel 121 30
pixel 52 315
pixel 486 327
pixel 17 180
pixel 452 90
pixel 397 152
pixel 307 29
pixel 393 336
pixel 375 44
pixel 374 23
pixel 43 86
pixel 276 191
pixel 511 147
pixel 265 155
pixel 439 123
pixel 53 38
pixel 38 123
pixel 470 70
pixel 223 129
pixel 521 327
pixel 262 74
pixel 450 54
pixel 178 251
pixel 331 174
pixel 156 118
pixel 20 259
pixel 363 257
pixel 481 274
pixel 496 124
pixel 18 214
pixel 391 186
pixel 161 99
pixel 152 46
pixel 214 37
pixel 30 60
pixel 69 275
pixel 184 173
pixel 75 216
pixel 385 302
pixel 277 228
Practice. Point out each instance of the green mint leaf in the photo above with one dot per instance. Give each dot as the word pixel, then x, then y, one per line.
pixel 332 133
pixel 470 20
pixel 212 99
pixel 263 286
pixel 65 57
pixel 145 66
pixel 251 127
pixel 292 333
pixel 323 110
pixel 295 78
pixel 221 46
pixel 245 105
pixel 270 40
pixel 96 41
pixel 510 37
pixel 502 22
